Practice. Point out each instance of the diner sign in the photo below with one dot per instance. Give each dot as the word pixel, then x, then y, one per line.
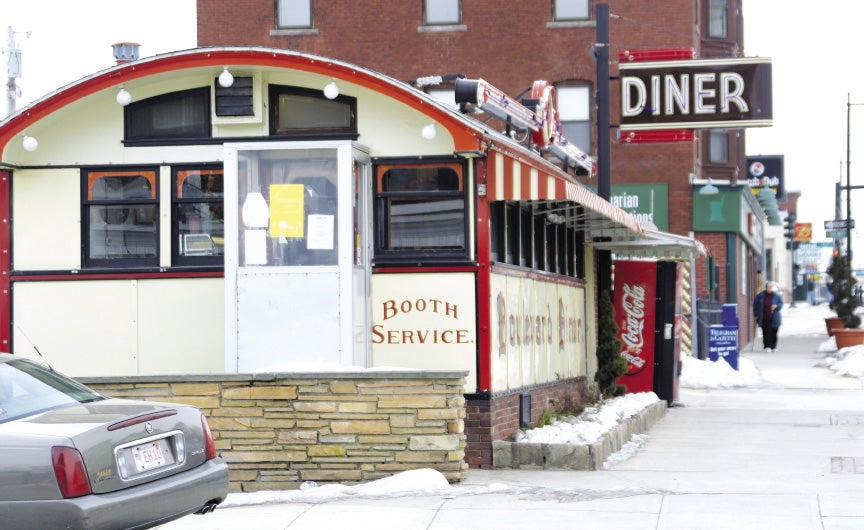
pixel 712 93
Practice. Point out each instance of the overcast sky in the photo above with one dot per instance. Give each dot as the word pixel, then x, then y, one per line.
pixel 815 50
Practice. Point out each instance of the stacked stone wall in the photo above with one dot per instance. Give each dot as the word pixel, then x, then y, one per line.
pixel 277 431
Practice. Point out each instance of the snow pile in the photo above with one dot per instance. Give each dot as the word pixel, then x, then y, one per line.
pixel 697 373
pixel 592 424
pixel 846 361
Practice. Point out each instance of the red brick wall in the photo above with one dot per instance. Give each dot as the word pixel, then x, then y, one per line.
pixel 491 418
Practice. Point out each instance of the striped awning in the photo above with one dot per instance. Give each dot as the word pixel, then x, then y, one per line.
pixel 513 178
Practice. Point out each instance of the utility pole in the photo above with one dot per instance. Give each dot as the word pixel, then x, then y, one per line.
pixel 13 71
pixel 604 141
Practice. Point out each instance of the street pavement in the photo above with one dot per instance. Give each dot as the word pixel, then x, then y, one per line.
pixel 786 454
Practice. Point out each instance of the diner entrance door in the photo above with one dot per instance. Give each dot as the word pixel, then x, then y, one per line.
pixel 296 267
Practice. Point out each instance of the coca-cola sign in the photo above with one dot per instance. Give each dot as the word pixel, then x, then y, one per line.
pixel 634 301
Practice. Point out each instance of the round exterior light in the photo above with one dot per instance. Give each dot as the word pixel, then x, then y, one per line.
pixel 331 91
pixel 30 143
pixel 124 97
pixel 429 132
pixel 225 78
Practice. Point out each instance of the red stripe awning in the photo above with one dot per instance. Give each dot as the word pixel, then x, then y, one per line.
pixel 510 178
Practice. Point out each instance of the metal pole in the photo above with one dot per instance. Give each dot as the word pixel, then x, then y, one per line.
pixel 848 184
pixel 11 85
pixel 604 142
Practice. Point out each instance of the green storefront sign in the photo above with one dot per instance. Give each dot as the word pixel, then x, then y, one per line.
pixel 648 203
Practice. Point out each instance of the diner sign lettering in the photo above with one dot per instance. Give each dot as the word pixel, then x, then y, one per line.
pixel 717 93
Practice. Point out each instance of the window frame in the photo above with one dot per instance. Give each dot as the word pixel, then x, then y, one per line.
pixel 349 132
pixel 89 176
pixel 177 201
pixel 561 91
pixel 715 156
pixel 280 8
pixel 204 130
pixel 717 12
pixel 382 224
pixel 557 18
pixel 442 22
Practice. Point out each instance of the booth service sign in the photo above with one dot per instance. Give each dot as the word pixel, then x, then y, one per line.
pixel 696 94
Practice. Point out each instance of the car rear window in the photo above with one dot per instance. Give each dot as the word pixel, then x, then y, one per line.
pixel 28 388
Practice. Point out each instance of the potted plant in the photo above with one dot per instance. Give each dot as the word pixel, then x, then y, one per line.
pixel 845 302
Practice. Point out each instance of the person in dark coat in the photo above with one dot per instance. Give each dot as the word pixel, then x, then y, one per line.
pixel 766 309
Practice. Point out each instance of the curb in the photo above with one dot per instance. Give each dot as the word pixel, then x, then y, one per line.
pixel 514 455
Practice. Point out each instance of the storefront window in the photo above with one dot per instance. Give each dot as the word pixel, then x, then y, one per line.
pixel 121 214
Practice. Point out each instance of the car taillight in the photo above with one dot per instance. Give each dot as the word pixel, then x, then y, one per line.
pixel 209 444
pixel 70 472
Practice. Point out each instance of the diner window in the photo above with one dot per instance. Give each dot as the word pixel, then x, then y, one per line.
pixel 718 146
pixel 442 12
pixel 571 9
pixel 574 114
pixel 718 19
pixel 198 219
pixel 183 115
pixel 300 111
pixel 294 14
pixel 536 236
pixel 420 211
pixel 120 218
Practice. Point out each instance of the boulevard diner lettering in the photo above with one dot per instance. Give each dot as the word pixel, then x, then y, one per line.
pixel 716 93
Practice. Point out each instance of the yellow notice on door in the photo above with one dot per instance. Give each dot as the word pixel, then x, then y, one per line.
pixel 286 210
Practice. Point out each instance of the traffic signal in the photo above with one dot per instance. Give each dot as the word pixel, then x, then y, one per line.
pixel 789 227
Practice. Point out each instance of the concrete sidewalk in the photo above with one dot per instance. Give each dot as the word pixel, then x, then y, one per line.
pixel 785 454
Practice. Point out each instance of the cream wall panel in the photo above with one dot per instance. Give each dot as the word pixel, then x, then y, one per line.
pixel 81 327
pixel 122 327
pixel 46 219
pixel 181 326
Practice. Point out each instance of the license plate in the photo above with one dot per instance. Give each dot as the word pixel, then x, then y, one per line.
pixel 148 456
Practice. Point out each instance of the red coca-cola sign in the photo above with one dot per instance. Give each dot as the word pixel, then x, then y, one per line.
pixel 635 301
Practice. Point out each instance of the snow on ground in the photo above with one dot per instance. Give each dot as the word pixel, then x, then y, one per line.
pixel 592 424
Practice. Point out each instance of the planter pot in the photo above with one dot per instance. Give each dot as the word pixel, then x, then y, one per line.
pixel 848 337
pixel 832 323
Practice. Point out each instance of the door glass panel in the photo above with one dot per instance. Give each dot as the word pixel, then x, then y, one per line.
pixel 288 208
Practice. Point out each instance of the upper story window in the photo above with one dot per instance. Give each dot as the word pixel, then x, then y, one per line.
pixel 442 12
pixel 183 115
pixel 420 211
pixel 718 19
pixel 718 146
pixel 300 111
pixel 120 218
pixel 294 14
pixel 574 113
pixel 198 216
pixel 571 10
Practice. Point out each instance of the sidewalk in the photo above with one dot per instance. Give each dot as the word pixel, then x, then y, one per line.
pixel 785 454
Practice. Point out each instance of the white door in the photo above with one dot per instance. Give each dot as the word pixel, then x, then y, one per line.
pixel 290 258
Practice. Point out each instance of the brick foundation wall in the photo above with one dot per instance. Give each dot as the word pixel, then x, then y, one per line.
pixel 496 417
pixel 278 430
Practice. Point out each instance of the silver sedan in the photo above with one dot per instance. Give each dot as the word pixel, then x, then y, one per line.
pixel 71 458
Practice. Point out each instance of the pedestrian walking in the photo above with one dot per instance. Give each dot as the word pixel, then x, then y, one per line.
pixel 766 310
